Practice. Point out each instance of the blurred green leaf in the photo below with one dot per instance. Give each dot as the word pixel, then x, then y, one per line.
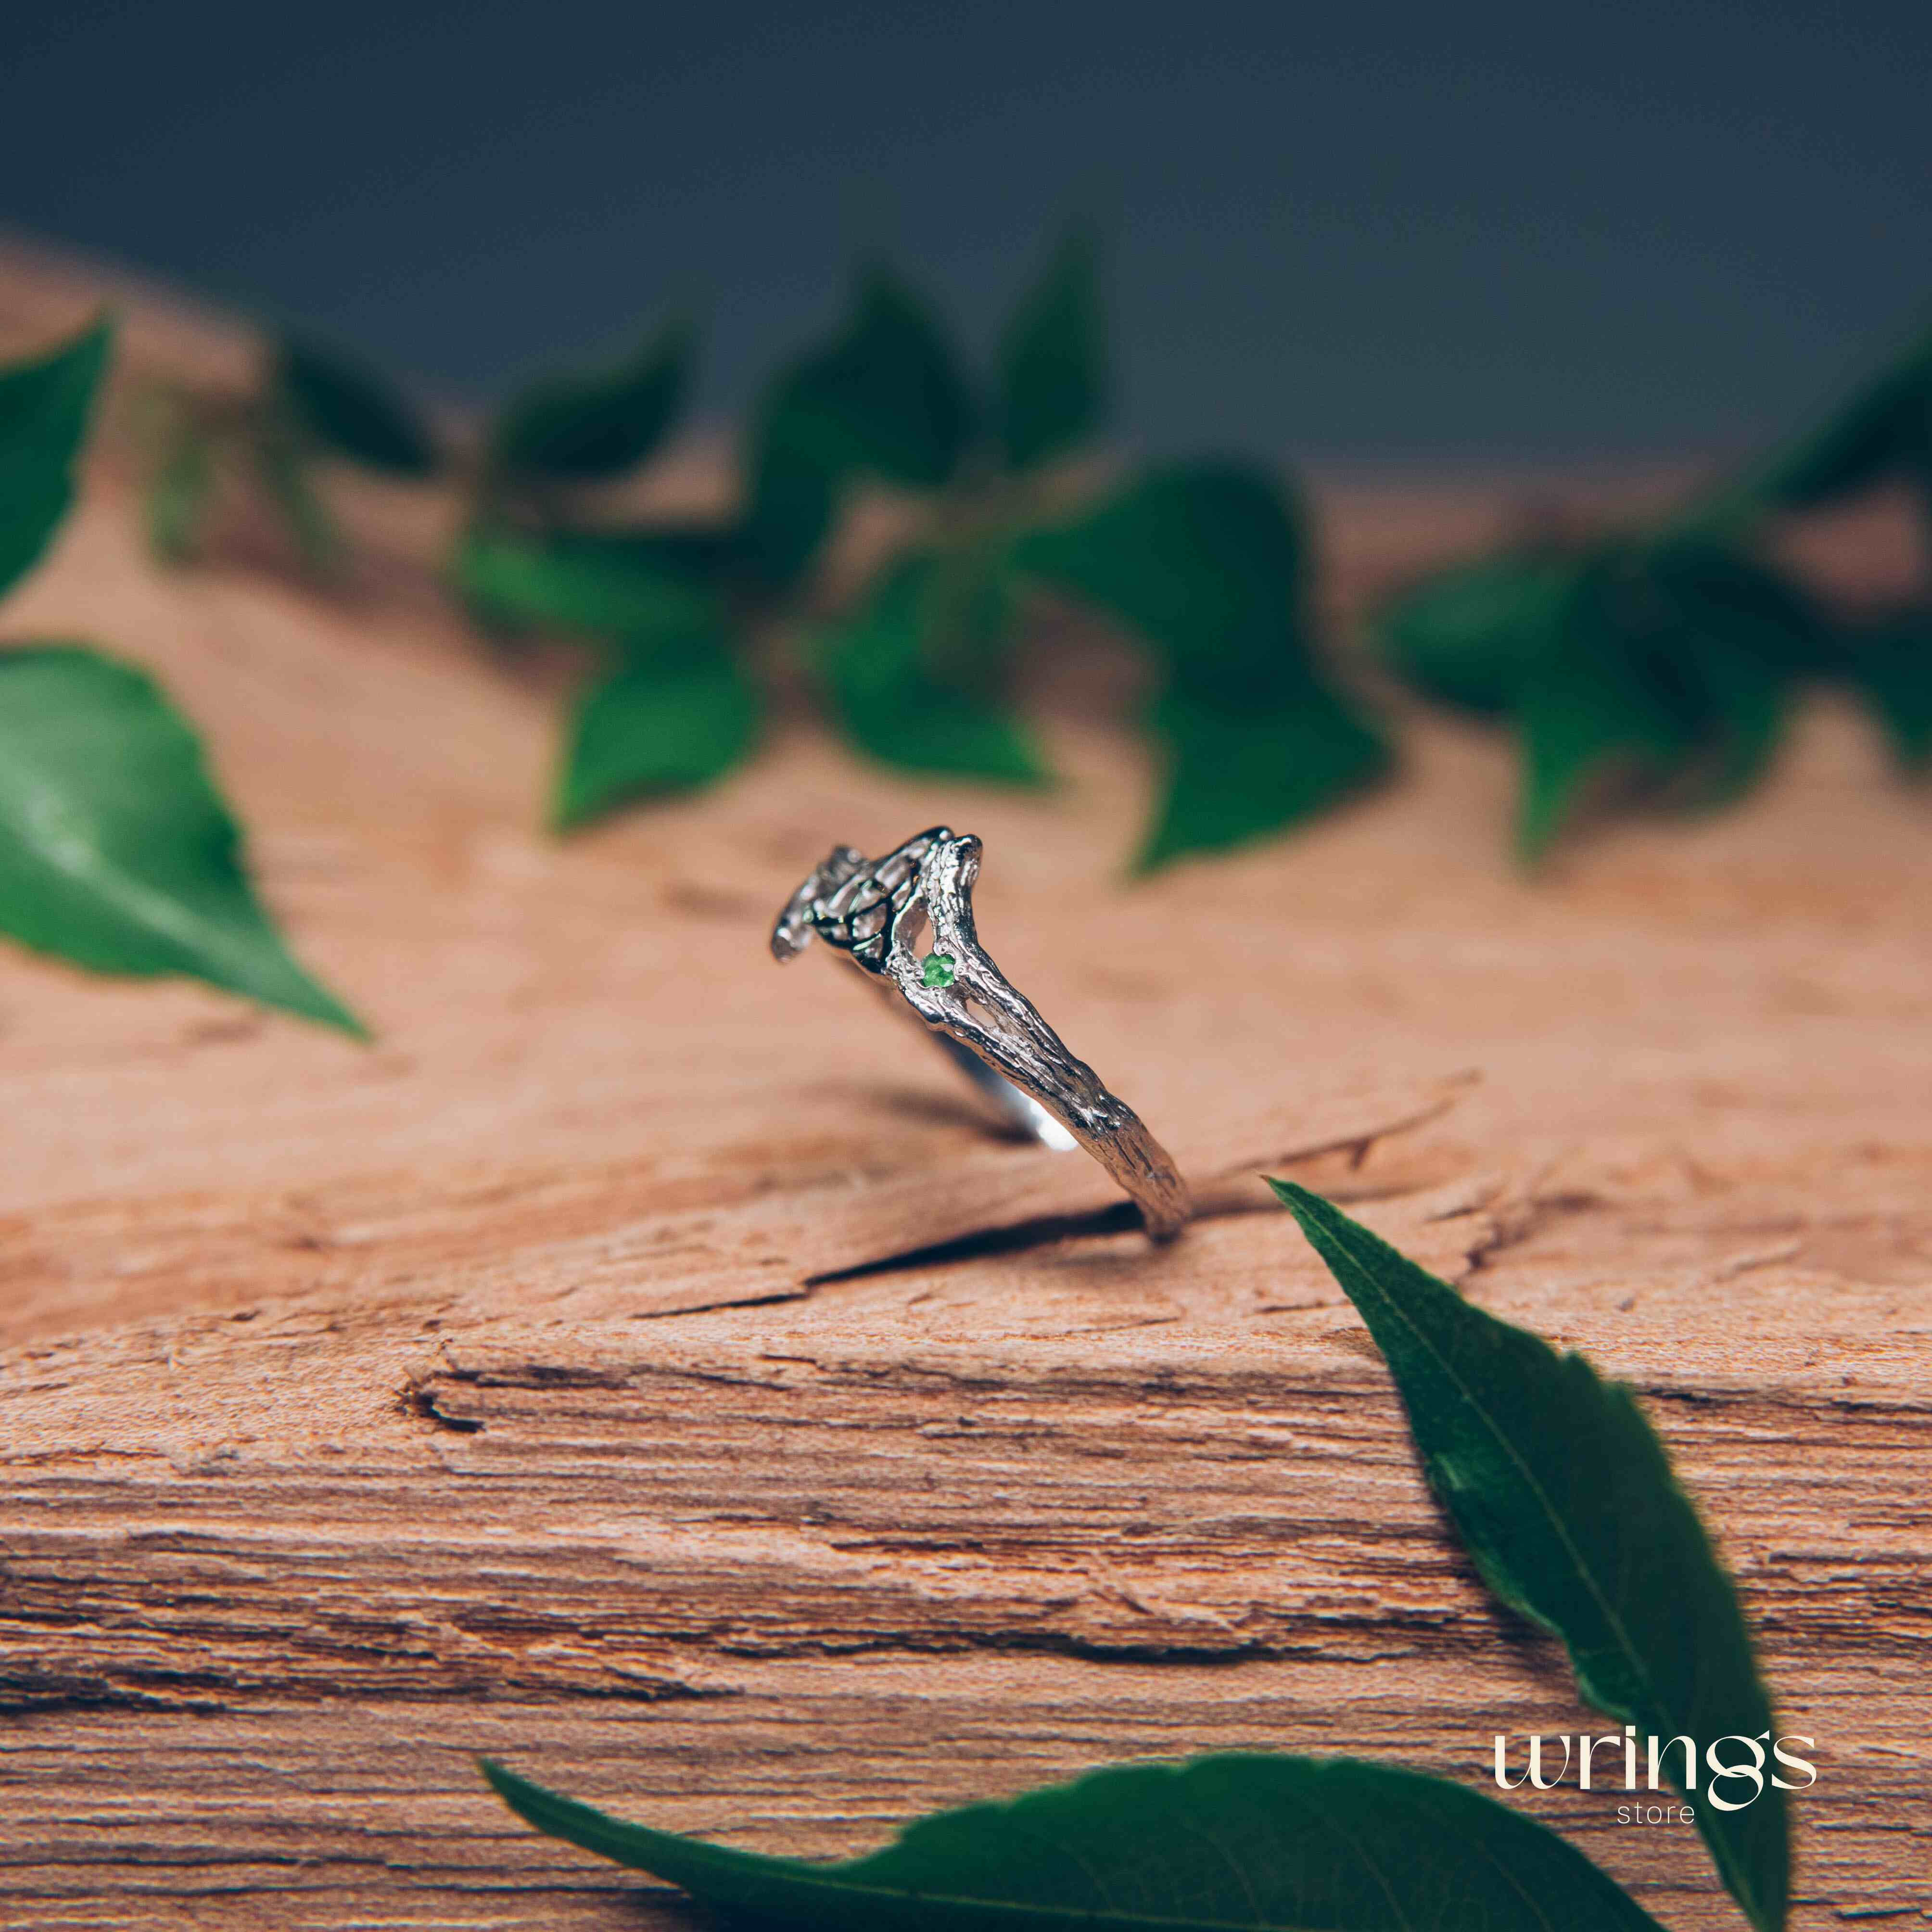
pixel 1052 360
pixel 1220 1844
pixel 1205 563
pixel 45 403
pixel 282 463
pixel 1888 662
pixel 886 397
pixel 179 487
pixel 1590 727
pixel 914 675
pixel 792 486
pixel 1468 636
pixel 1237 772
pixel 590 428
pixel 1720 590
pixel 676 718
pixel 116 850
pixel 581 583
pixel 1565 1499
pixel 1665 671
pixel 1884 429
pixel 350 409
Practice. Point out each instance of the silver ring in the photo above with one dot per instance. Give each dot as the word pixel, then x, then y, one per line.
pixel 874 911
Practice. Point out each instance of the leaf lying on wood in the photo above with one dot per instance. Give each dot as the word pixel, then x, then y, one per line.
pixel 1263 1844
pixel 116 850
pixel 1568 1504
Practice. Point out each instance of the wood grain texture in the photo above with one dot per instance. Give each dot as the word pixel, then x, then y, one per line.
pixel 361 1410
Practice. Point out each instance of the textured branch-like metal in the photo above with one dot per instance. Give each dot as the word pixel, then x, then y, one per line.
pixel 873 911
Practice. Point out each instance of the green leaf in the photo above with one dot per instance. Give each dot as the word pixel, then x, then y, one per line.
pixel 1667 667
pixel 1239 772
pixel 1267 1844
pixel 792 486
pixel 1884 429
pixel 675 721
pixel 1468 636
pixel 1567 1501
pixel 350 409
pixel 579 582
pixel 1052 360
pixel 282 463
pixel 116 850
pixel 885 396
pixel 1716 590
pixel 45 403
pixel 179 488
pixel 915 674
pixel 1889 663
pixel 589 428
pixel 1206 563
pixel 1588 724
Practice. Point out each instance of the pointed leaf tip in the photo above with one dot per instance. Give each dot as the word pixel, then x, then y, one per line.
pixel 593 427
pixel 351 409
pixel 886 397
pixel 1235 1843
pixel 1566 1500
pixel 1052 359
pixel 116 851
pixel 46 402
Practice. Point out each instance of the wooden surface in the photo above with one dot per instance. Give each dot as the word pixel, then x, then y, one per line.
pixel 363 1409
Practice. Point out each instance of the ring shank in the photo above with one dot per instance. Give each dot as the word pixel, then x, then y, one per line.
pixel 1021 1112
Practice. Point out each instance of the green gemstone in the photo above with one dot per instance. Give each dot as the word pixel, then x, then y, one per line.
pixel 936 970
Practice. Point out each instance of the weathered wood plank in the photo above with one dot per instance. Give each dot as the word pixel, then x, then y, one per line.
pixel 360 1411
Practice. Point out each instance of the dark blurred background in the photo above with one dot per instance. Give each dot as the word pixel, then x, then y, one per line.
pixel 1373 231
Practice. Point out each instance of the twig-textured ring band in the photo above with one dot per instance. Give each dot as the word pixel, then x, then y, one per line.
pixel 875 911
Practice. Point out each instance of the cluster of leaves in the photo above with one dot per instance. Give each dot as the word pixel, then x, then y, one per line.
pixel 1205 565
pixel 1660 664
pixel 1565 1499
pixel 116 851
